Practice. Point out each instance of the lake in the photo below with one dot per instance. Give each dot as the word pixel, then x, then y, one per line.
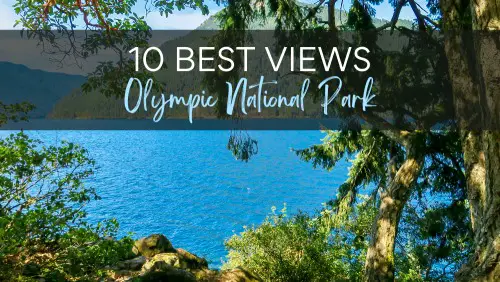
pixel 188 186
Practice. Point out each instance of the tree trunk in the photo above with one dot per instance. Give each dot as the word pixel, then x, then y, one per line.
pixel 483 188
pixel 474 72
pixel 484 265
pixel 379 265
pixel 331 15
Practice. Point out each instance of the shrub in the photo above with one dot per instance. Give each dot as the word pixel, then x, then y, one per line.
pixel 432 243
pixel 303 247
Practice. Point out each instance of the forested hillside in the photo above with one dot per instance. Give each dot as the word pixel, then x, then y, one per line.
pixel 18 83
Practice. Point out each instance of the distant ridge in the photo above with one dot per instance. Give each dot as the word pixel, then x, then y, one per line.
pixel 269 23
pixel 19 83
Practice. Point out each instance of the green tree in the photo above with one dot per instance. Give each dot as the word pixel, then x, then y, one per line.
pixel 376 150
pixel 384 164
pixel 480 133
pixel 43 231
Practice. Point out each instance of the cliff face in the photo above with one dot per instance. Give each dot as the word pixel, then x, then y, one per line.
pixel 157 260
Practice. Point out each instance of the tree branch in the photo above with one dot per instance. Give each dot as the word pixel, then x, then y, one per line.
pixel 420 18
pixel 395 17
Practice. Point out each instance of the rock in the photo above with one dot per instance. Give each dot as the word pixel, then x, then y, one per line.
pixel 168 274
pixel 132 264
pixel 153 245
pixel 124 275
pixel 190 260
pixel 182 259
pixel 161 262
pixel 238 274
pixel 205 274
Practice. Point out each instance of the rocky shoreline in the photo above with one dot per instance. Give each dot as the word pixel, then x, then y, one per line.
pixel 156 260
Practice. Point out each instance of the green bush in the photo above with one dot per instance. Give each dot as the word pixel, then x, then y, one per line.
pixel 43 228
pixel 303 247
pixel 329 246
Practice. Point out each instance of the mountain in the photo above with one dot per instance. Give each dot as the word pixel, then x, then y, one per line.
pixel 19 83
pixel 269 23
pixel 81 105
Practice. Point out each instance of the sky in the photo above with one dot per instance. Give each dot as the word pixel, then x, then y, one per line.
pixel 190 19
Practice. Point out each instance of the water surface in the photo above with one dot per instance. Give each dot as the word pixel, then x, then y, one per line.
pixel 188 186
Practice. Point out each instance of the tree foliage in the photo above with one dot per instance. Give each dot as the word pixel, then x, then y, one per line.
pixel 43 227
pixel 14 112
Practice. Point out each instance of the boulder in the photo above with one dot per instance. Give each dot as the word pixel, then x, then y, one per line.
pixel 153 245
pixel 238 274
pixel 190 260
pixel 132 264
pixel 161 262
pixel 182 259
pixel 205 274
pixel 168 274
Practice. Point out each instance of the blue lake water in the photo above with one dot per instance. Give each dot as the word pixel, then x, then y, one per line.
pixel 188 186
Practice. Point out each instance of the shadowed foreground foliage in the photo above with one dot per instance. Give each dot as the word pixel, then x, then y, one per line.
pixel 43 231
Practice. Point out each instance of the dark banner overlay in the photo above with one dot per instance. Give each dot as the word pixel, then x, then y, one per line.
pixel 250 80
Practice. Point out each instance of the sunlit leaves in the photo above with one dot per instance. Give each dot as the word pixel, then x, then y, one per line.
pixel 304 247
